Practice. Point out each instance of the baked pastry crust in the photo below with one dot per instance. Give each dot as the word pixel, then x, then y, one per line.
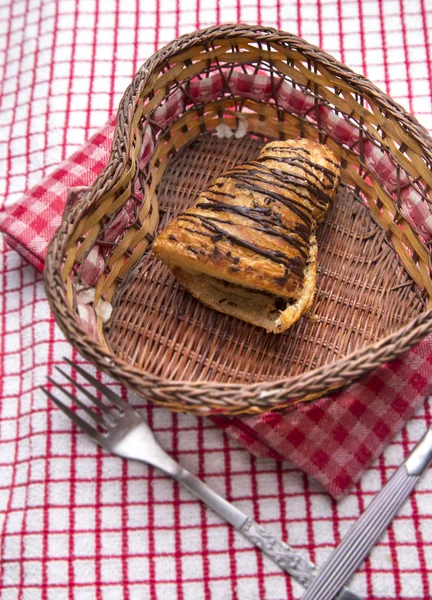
pixel 248 246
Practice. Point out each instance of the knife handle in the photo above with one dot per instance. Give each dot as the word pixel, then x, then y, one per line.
pixel 366 531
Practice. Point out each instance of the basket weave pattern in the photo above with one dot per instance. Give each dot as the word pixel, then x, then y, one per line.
pixel 203 103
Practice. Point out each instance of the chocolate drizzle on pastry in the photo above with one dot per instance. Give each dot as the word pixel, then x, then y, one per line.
pixel 293 264
pixel 269 222
pixel 254 229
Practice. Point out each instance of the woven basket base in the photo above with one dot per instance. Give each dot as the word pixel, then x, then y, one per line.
pixel 363 293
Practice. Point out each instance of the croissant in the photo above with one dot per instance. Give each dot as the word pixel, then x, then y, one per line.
pixel 248 246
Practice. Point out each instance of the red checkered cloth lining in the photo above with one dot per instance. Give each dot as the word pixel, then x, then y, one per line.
pixel 335 438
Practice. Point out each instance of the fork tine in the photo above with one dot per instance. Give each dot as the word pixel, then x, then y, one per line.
pixel 86 409
pixel 115 399
pixel 90 396
pixel 90 431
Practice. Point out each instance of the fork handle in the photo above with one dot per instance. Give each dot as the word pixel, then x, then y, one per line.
pixel 289 560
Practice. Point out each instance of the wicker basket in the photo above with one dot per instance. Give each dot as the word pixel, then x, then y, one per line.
pixel 203 103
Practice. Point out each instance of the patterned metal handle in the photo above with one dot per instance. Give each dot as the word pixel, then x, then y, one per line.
pixel 289 560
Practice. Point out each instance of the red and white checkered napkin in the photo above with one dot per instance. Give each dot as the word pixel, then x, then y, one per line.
pixel 333 439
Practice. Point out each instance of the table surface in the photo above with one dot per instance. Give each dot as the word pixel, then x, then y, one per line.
pixel 75 522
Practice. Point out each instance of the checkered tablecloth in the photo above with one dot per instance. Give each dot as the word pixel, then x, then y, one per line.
pixel 75 522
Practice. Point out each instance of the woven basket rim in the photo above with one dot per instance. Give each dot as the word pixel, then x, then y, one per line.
pixel 267 391
pixel 256 33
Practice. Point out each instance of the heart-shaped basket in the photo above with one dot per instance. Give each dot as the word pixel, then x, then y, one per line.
pixel 205 102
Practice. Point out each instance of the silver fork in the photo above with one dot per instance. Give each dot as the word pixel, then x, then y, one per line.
pixel 123 431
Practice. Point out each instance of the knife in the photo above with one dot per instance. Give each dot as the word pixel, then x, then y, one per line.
pixel 366 531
